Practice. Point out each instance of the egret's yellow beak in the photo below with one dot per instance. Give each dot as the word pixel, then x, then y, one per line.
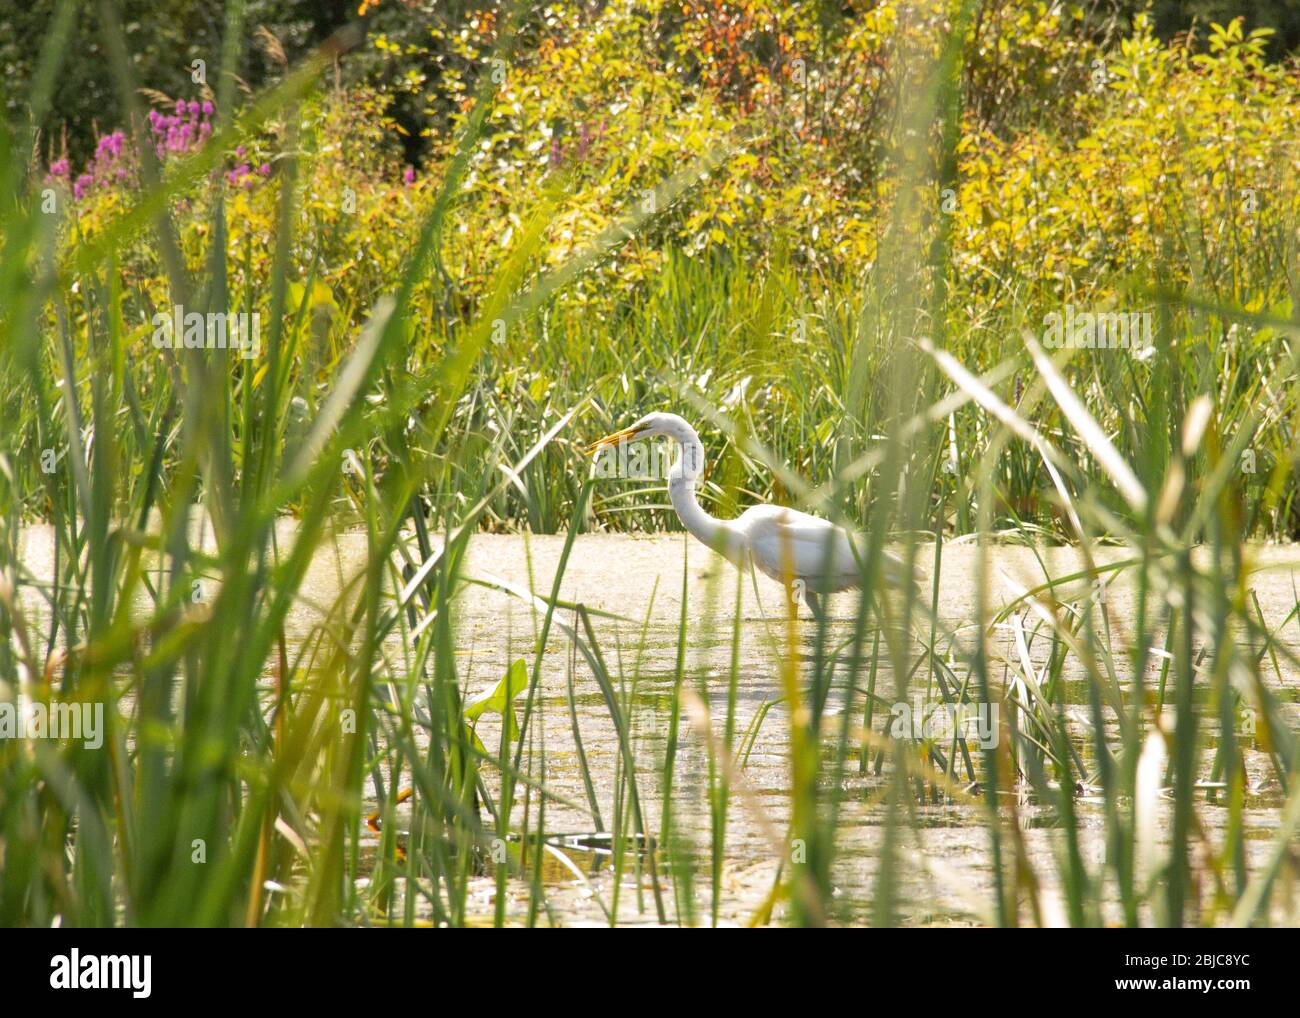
pixel 617 438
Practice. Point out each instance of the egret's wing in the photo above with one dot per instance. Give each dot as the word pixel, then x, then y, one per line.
pixel 786 542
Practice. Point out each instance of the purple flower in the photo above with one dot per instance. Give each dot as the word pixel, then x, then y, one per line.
pixel 264 169
pixel 110 145
pixel 408 175
pixel 114 160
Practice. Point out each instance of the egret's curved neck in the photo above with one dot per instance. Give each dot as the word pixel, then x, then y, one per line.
pixel 681 491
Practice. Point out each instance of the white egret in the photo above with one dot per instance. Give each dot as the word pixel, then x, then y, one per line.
pixel 804 553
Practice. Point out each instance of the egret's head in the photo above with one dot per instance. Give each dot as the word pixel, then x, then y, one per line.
pixel 649 426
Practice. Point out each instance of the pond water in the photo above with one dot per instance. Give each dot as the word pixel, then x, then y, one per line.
pixel 946 862
pixel 944 877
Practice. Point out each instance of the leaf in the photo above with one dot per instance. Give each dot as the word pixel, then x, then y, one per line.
pixel 472 738
pixel 511 685
pixel 320 296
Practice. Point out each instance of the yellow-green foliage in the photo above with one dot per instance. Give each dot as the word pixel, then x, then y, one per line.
pixel 1193 150
pixel 1079 169
pixel 1143 148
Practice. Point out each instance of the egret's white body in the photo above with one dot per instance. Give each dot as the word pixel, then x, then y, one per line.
pixel 797 550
